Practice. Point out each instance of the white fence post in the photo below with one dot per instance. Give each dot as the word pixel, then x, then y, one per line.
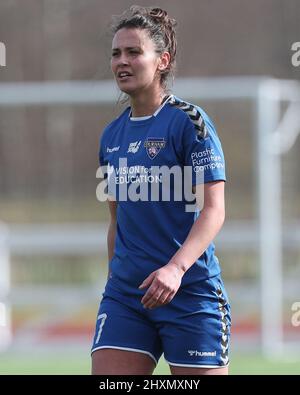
pixel 5 312
pixel 269 191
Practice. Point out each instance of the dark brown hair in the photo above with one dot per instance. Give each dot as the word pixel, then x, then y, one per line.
pixel 161 29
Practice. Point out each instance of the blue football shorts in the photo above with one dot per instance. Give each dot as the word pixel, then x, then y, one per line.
pixel 193 330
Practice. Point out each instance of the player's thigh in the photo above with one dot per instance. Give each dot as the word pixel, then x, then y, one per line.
pixel 125 341
pixel 109 361
pixel 178 370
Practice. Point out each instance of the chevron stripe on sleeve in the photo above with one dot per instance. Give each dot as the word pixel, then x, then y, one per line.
pixel 193 113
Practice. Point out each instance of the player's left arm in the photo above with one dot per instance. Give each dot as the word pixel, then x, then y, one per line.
pixel 205 228
pixel 164 283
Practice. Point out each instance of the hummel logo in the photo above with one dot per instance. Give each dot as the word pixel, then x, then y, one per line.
pixel 114 149
pixel 202 353
pixel 134 147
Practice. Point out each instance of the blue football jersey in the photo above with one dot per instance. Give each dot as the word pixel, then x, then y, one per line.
pixel 152 164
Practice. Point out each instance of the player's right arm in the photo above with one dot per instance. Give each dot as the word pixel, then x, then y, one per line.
pixel 112 229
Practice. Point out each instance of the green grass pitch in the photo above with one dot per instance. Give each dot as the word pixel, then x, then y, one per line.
pixel 79 363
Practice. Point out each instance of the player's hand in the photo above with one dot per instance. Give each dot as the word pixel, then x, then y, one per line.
pixel 162 286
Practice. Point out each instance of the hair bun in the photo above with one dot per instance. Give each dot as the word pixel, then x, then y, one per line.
pixel 159 13
pixel 160 16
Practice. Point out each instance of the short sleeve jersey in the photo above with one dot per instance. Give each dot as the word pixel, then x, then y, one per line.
pixel 151 167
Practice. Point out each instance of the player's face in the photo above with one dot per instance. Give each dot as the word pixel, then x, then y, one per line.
pixel 134 61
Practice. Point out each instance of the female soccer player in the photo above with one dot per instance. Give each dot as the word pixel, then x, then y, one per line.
pixel 164 292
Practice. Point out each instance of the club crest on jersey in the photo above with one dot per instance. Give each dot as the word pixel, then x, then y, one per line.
pixel 154 145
